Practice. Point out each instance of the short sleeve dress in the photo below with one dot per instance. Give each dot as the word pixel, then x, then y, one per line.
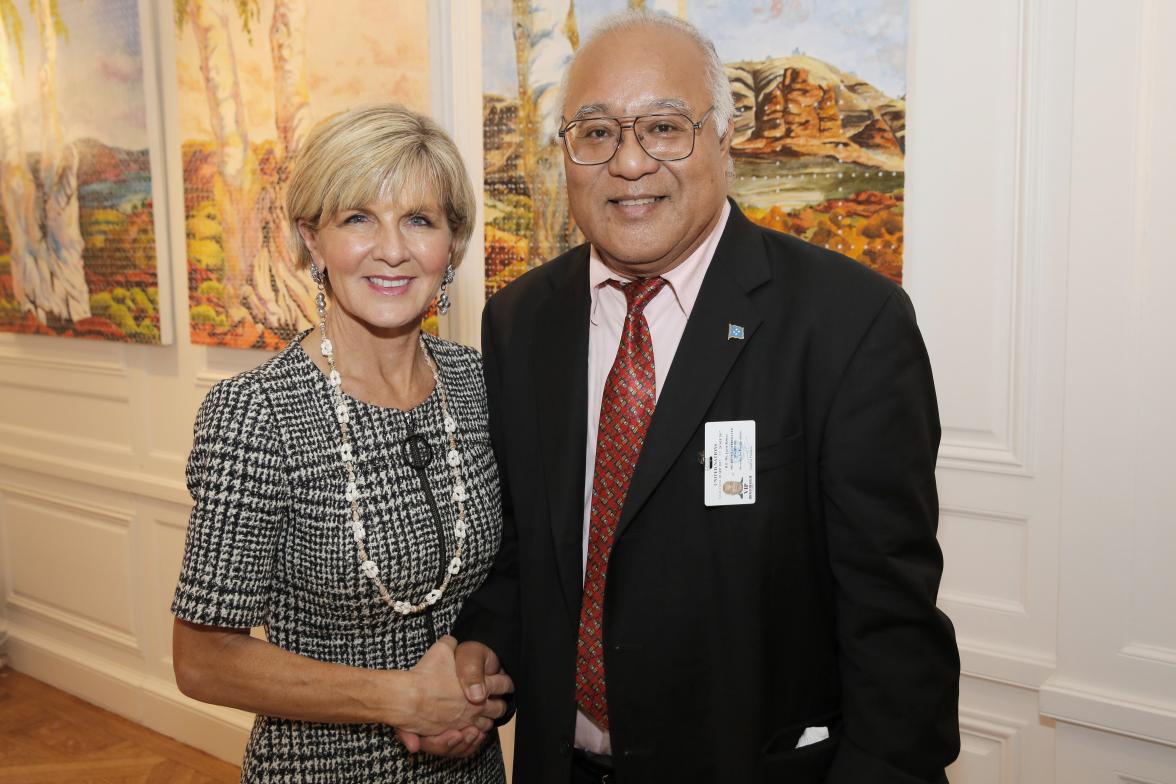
pixel 269 544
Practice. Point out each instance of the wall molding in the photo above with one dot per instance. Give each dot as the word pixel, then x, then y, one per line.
pixel 69 442
pixel 1123 777
pixel 91 379
pixel 983 601
pixel 986 603
pixel 1010 667
pixel 92 367
pixel 68 619
pixel 121 520
pixel 138 696
pixel 1119 713
pixel 120 517
pixel 122 480
pixel 207 379
pixel 1007 449
pixel 1153 654
pixel 1002 731
pixel 221 362
pixel 977 457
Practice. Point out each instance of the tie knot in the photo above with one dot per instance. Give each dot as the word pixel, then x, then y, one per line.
pixel 639 292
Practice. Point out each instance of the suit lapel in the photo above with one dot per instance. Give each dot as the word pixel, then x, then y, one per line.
pixel 560 370
pixel 704 357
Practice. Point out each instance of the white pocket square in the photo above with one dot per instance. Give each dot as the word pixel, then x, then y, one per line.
pixel 812 735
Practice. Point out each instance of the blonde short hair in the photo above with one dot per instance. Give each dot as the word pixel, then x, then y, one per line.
pixel 355 157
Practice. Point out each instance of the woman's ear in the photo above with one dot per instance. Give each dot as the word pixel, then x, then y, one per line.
pixel 310 237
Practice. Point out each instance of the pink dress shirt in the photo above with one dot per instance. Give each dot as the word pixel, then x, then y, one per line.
pixel 667 314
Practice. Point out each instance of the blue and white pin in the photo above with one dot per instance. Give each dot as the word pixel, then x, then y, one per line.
pixel 735 332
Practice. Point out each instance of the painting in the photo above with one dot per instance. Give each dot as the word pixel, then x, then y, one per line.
pixel 819 138
pixel 254 77
pixel 77 218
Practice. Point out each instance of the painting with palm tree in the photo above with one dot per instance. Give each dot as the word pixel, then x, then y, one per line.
pixel 77 221
pixel 254 77
pixel 819 139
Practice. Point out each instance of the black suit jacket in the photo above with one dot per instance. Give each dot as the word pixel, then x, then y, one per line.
pixel 728 630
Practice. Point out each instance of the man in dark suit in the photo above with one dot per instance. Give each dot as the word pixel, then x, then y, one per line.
pixel 717 446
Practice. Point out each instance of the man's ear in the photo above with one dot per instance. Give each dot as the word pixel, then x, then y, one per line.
pixel 725 139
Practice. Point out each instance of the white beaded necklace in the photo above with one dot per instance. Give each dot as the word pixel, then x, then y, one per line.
pixel 347 452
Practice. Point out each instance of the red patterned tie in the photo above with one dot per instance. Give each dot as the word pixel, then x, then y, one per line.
pixel 625 410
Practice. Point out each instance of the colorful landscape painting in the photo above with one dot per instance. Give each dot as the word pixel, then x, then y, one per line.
pixel 254 77
pixel 820 121
pixel 77 225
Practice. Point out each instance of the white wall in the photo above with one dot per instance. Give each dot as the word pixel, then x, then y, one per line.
pixel 1040 167
pixel 1040 163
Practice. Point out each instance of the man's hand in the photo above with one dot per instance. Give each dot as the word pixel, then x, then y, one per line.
pixel 491 683
pixel 451 743
pixel 476 665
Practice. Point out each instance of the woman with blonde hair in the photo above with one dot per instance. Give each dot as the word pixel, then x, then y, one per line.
pixel 345 495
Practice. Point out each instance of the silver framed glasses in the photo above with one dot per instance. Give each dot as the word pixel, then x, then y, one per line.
pixel 664 137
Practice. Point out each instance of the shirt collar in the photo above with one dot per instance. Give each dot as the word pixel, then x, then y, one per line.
pixel 684 280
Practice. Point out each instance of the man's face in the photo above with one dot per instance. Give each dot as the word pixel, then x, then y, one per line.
pixel 645 216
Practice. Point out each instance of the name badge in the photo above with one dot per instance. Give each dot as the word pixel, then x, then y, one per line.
pixel 729 466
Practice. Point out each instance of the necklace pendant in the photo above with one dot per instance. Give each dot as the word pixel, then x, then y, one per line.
pixel 417 452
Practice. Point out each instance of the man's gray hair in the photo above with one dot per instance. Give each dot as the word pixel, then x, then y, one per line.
pixel 716 74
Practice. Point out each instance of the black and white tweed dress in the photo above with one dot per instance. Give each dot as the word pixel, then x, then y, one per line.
pixel 269 545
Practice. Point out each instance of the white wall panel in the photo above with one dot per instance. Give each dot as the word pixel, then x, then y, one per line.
pixel 1153 589
pixel 966 136
pixel 38 364
pixel 1117 659
pixel 988 558
pixel 68 563
pixel 47 420
pixel 990 750
pixel 1089 757
pixel 990 114
pixel 169 533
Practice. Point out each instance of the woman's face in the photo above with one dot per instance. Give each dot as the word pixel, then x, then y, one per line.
pixel 385 260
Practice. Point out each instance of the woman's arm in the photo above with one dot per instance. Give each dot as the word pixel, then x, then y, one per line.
pixel 228 667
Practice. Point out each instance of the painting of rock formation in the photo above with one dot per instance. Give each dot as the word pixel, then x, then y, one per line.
pixel 77 219
pixel 254 77
pixel 820 121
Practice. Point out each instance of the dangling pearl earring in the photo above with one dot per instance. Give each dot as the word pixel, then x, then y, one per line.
pixel 443 302
pixel 320 301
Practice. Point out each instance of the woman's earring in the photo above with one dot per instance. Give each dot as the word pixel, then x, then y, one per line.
pixel 443 302
pixel 320 298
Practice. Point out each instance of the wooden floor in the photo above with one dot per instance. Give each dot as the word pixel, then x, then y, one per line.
pixel 47 735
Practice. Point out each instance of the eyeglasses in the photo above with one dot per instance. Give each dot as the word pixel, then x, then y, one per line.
pixel 664 137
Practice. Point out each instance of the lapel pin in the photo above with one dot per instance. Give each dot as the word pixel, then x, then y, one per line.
pixel 734 332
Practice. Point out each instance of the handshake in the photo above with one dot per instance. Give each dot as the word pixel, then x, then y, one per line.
pixel 457 691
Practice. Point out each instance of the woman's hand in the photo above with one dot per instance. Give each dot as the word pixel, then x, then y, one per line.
pixel 441 704
pixel 441 700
